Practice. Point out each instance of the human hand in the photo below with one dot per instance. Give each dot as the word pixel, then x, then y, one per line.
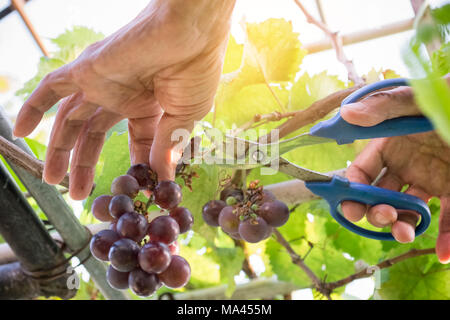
pixel 160 71
pixel 421 161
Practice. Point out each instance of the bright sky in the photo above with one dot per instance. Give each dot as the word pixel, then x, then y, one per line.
pixel 19 54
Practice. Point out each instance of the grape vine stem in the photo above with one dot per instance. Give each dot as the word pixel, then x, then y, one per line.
pixel 297 260
pixel 336 42
pixel 19 157
pixel 367 272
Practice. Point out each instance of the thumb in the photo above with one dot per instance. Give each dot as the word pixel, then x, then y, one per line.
pixel 381 106
pixel 443 239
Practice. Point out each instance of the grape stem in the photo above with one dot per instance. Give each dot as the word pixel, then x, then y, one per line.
pixel 336 42
pixel 326 288
pixel 299 261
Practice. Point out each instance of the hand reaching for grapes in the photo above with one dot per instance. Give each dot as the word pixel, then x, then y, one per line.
pixel 421 161
pixel 160 71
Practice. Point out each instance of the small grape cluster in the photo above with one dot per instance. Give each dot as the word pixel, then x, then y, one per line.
pixel 143 252
pixel 248 215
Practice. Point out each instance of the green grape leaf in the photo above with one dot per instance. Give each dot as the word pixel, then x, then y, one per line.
pixel 70 43
pixel 420 278
pixel 272 54
pixel 273 48
pixel 204 270
pixel 205 188
pixel 37 148
pixel 233 56
pixel 230 261
pixel 78 36
pixel 114 161
pixel 308 89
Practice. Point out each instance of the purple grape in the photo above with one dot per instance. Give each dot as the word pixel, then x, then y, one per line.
pixel 124 255
pixel 211 211
pixel 154 257
pixel 101 243
pixel 132 225
pixel 177 274
pixel 229 221
pixel 143 175
pixel 116 279
pixel 167 194
pixel 113 225
pixel 253 230
pixel 119 205
pixel 276 213
pixel 183 217
pixel 163 229
pixel 125 184
pixel 142 283
pixel 267 196
pixel 100 208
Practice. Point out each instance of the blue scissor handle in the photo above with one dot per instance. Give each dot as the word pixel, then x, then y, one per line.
pixel 343 132
pixel 340 189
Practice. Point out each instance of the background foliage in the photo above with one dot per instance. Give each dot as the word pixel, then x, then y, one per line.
pixel 263 75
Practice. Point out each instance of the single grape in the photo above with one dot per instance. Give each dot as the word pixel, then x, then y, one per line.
pixel 154 257
pixel 253 230
pixel 163 229
pixel 119 205
pixel 116 279
pixel 183 217
pixel 100 208
pixel 167 194
pixel 229 192
pixel 101 243
pixel 124 255
pixel 132 225
pixel 267 196
pixel 143 175
pixel 113 225
pixel 211 211
pixel 174 248
pixel 276 213
pixel 125 184
pixel 142 283
pixel 177 274
pixel 229 221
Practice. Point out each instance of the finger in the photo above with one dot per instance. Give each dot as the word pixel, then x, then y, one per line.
pixel 364 169
pixel 381 106
pixel 443 240
pixel 172 135
pixel 87 151
pixel 404 228
pixel 50 90
pixel 384 215
pixel 71 115
pixel 142 133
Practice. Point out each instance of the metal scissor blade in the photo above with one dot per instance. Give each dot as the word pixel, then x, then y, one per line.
pixel 301 173
pixel 257 153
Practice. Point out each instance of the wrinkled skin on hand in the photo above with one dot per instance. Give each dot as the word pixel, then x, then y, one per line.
pixel 421 161
pixel 160 71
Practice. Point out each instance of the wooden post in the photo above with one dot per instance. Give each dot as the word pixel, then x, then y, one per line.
pixel 19 5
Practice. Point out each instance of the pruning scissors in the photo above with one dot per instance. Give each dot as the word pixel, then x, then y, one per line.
pixel 335 189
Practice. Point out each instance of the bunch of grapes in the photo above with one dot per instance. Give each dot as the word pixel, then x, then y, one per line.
pixel 248 215
pixel 143 252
